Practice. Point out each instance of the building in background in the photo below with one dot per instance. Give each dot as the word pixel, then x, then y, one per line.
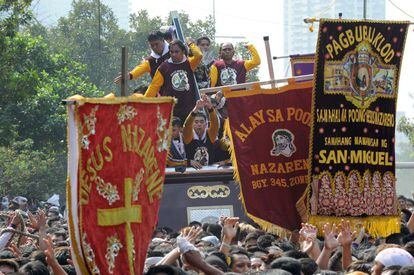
pixel 48 12
pixel 297 37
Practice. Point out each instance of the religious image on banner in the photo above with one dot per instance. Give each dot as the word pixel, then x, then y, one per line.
pixel 116 166
pixel 269 148
pixel 352 156
pixel 302 64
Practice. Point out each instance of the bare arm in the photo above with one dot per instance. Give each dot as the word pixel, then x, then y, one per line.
pixel 345 238
pixel 194 259
pixel 170 258
pixel 330 243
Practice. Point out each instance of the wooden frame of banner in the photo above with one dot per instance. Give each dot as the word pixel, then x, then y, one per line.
pixel 249 85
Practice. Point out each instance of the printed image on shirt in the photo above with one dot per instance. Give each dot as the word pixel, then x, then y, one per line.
pixel 201 155
pixel 179 80
pixel 228 76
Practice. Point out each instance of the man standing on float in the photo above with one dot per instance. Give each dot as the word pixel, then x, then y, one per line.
pixel 229 71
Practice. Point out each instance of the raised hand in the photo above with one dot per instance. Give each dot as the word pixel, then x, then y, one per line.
pixel 199 105
pixel 329 233
pixel 307 237
pixel 207 101
pixel 230 226
pixel 49 252
pixel 191 234
pixel 346 236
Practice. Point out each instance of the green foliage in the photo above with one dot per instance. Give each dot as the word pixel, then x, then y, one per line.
pixel 90 35
pixel 31 173
pixel 13 13
pixel 243 53
pixel 42 66
pixel 406 126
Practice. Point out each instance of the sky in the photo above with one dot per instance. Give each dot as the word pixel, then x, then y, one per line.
pixel 255 19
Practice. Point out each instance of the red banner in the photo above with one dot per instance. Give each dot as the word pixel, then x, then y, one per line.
pixel 270 139
pixel 117 156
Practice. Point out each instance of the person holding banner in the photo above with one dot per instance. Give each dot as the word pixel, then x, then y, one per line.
pixel 199 139
pixel 202 72
pixel 159 53
pixel 174 77
pixel 229 71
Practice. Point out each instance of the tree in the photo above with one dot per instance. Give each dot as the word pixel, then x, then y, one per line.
pixel 30 173
pixel 406 126
pixel 33 82
pixel 90 35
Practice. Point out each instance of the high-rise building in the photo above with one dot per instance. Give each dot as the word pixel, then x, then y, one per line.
pixel 48 12
pixel 297 37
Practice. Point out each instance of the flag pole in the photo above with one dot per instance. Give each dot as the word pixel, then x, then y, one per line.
pixel 124 71
pixel 269 61
pixel 249 85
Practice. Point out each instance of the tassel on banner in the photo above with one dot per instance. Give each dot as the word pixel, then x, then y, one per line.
pixel 267 226
pixel 377 226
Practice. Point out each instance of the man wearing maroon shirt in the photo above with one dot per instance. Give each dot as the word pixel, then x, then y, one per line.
pixel 229 71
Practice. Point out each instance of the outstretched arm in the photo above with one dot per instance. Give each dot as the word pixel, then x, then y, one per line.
pixel 255 61
pixel 196 58
pixel 155 85
pixel 139 70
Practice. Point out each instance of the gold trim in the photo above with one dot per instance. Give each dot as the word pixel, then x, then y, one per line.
pixel 291 86
pixel 213 191
pixel 111 99
pixel 312 128
pixel 79 258
pixel 264 224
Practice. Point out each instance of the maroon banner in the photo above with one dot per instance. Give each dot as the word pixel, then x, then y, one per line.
pixel 270 140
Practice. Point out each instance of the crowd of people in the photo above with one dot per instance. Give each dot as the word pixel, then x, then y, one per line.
pixel 179 70
pixel 38 244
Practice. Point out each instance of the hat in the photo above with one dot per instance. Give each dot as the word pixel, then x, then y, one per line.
pixel 20 200
pixel 211 239
pixel 394 256
pixel 54 209
pixel 54 200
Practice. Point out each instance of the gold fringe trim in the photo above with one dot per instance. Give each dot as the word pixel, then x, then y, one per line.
pixel 112 99
pixel 376 226
pixel 265 225
pixel 257 90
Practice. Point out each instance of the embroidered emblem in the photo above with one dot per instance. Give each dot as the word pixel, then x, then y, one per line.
pixel 361 77
pixel 201 155
pixel 228 76
pixel 179 81
pixel 162 132
pixel 107 190
pixel 90 257
pixel 136 187
pixel 126 112
pixel 112 251
pixel 202 192
pixel 88 127
pixel 283 143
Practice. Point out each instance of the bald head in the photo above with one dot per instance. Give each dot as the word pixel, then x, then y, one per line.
pixel 227 51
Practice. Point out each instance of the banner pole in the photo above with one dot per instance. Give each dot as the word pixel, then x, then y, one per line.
pixel 269 60
pixel 250 84
pixel 124 71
